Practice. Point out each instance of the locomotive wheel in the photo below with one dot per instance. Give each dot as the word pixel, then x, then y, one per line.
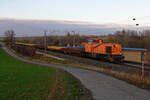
pixel 111 59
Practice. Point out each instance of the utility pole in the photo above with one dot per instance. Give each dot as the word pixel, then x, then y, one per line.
pixel 45 40
pixel 73 38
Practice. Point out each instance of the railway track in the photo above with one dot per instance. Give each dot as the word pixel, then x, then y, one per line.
pixel 137 65
pixel 127 66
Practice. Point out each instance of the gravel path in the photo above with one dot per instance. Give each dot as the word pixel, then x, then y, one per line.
pixel 102 86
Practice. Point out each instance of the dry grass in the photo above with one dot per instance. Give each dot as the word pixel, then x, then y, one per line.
pixel 1 39
pixel 134 56
pixel 136 79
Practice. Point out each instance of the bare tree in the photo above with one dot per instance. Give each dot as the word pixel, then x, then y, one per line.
pixel 10 37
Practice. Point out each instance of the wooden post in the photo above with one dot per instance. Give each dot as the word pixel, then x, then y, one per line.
pixel 142 61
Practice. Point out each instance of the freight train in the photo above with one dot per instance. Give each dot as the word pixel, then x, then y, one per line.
pixel 95 49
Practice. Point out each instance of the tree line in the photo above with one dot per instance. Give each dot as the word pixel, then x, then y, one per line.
pixel 127 38
pixel 131 39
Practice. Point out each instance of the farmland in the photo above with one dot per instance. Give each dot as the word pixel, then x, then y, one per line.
pixel 23 81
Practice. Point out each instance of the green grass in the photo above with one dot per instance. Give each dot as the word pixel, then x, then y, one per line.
pixel 23 81
pixel 70 88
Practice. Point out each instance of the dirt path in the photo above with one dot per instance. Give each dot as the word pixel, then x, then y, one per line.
pixel 52 91
pixel 102 86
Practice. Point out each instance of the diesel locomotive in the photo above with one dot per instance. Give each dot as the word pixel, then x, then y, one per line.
pixel 95 49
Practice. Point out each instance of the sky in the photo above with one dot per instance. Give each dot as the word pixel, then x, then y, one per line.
pixel 94 11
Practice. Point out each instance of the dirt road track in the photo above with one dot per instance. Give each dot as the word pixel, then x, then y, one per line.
pixel 102 86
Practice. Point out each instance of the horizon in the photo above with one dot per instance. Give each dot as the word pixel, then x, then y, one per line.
pixel 35 27
pixel 71 21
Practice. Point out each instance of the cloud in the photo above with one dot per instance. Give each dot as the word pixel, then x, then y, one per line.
pixel 27 27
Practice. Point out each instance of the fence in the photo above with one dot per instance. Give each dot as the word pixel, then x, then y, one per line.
pixel 136 55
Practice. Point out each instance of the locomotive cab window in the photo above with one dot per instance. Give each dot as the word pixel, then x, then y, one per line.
pixel 109 49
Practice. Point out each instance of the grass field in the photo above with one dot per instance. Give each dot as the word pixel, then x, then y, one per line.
pixel 23 81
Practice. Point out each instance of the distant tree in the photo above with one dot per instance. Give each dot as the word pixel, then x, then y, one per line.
pixel 68 39
pixel 131 38
pixel 9 37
